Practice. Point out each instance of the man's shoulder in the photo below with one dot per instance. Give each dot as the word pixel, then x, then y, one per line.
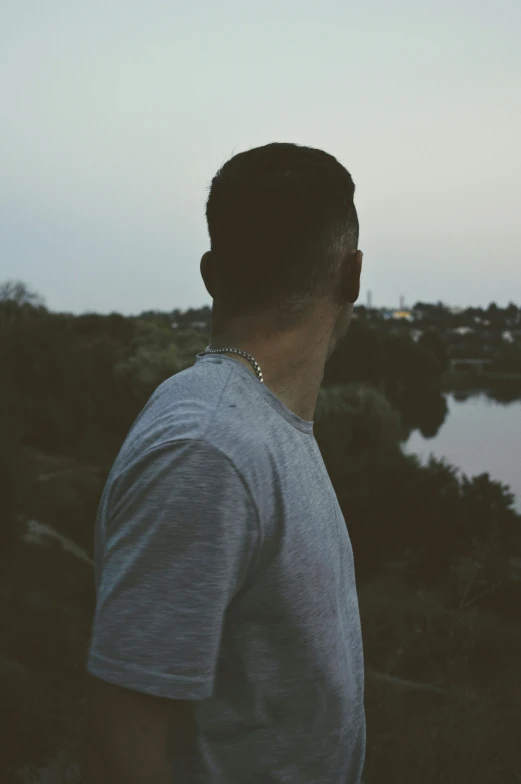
pixel 206 409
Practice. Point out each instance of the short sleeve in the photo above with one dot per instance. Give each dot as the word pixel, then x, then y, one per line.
pixel 179 536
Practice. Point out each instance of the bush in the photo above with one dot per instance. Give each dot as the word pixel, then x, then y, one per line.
pixel 11 478
pixel 394 507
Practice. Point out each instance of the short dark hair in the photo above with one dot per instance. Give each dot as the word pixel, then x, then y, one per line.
pixel 279 218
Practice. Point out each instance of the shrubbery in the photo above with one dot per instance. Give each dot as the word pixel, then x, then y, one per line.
pixel 76 383
pixel 10 481
pixel 396 508
pixel 430 546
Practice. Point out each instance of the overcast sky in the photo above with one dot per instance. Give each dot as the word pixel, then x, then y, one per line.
pixel 117 113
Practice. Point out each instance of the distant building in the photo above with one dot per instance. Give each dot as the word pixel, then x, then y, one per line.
pixel 463 331
pixel 404 315
pixel 463 364
pixel 191 325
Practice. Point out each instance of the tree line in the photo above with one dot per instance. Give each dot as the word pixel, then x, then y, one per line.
pixel 70 389
pixel 72 385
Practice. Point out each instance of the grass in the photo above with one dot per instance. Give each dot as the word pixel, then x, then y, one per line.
pixel 443 687
pixel 46 603
pixel 464 729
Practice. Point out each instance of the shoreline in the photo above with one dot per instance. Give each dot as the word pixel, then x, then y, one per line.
pixel 480 382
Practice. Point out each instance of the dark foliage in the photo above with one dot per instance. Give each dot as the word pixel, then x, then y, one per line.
pixel 71 387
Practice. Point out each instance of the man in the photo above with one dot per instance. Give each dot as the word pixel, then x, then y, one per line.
pixel 226 644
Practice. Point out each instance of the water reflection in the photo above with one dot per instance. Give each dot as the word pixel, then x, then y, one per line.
pixel 506 394
pixel 481 434
pixel 501 393
pixel 424 412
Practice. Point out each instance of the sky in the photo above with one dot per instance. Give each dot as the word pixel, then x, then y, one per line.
pixel 117 114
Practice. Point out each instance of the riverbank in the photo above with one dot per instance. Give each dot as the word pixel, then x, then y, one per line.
pixel 481 382
pixel 442 689
pixel 480 434
pixel 443 698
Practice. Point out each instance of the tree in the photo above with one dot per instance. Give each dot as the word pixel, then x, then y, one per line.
pixel 10 481
pixel 17 292
pixel 154 356
pixel 431 341
pixel 17 303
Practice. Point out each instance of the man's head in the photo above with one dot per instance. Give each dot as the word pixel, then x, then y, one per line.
pixel 284 236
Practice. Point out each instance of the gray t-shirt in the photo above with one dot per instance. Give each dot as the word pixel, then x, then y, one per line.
pixel 225 576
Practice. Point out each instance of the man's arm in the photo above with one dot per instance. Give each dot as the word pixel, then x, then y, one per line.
pixel 179 538
pixel 131 737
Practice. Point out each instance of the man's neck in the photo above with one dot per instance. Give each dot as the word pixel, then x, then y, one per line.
pixel 292 361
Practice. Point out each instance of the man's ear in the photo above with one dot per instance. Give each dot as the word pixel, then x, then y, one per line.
pixel 352 273
pixel 206 268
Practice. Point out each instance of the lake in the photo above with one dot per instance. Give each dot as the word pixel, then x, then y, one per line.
pixel 478 436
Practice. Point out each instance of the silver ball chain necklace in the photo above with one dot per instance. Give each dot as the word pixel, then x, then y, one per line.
pixel 251 360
